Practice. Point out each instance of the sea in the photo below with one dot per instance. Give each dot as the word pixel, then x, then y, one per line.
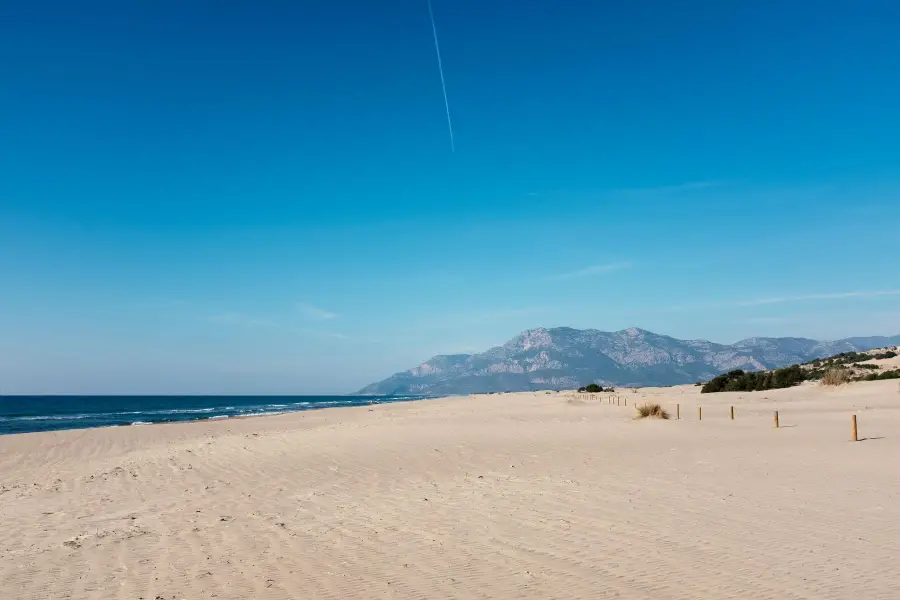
pixel 23 414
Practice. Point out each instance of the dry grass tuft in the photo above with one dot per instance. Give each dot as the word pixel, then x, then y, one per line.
pixel 836 376
pixel 654 411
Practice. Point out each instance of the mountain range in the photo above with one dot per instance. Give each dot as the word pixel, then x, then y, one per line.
pixel 563 357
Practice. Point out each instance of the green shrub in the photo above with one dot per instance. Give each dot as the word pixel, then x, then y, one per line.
pixel 740 381
pixel 892 374
pixel 591 388
pixel 847 358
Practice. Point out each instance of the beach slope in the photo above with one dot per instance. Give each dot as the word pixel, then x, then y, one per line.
pixel 530 495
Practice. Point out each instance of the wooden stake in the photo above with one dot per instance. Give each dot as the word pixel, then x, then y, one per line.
pixel 853 420
pixel 732 413
pixel 776 419
pixel 677 411
pixel 699 413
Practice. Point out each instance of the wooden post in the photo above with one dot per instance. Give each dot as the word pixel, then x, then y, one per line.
pixel 677 411
pixel 699 413
pixel 853 421
pixel 776 419
pixel 618 401
pixel 732 413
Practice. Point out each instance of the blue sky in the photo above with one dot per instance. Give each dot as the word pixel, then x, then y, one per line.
pixel 260 197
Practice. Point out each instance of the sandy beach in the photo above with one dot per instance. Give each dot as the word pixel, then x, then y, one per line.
pixel 528 495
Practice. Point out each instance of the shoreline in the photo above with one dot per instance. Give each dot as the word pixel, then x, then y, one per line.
pixel 324 402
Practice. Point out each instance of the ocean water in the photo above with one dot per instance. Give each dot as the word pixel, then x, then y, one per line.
pixel 22 414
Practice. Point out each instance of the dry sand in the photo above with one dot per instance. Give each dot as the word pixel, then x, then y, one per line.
pixel 514 496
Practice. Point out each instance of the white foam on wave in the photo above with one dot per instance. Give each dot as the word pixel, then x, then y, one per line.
pixel 264 413
pixel 47 418
pixel 176 411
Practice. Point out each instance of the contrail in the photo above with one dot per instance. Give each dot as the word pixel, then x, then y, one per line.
pixel 437 49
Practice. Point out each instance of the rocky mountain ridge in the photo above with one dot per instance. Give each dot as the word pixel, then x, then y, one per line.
pixel 563 357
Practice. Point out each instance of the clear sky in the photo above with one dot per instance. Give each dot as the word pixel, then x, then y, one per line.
pixel 260 197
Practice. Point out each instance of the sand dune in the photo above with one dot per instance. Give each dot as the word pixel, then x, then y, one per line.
pixel 512 496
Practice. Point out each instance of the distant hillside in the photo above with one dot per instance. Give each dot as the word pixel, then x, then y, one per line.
pixel 563 357
pixel 841 368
